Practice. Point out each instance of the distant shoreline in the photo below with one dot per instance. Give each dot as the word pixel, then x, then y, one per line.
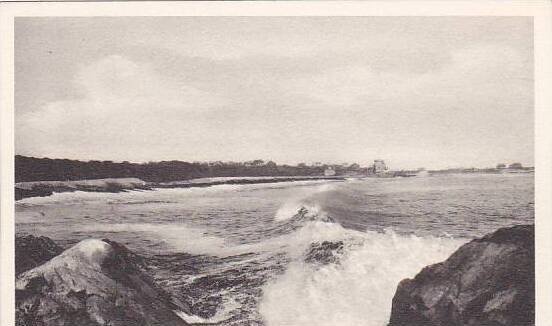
pixel 116 185
pixel 29 169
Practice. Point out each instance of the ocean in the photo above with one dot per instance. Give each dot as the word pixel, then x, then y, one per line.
pixel 290 253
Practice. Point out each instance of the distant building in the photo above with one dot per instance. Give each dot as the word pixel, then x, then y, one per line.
pixel 515 166
pixel 501 166
pixel 329 172
pixel 379 166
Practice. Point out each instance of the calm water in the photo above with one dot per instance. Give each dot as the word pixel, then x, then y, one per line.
pixel 239 254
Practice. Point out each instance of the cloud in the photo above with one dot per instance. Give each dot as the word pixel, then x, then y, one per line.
pixel 477 108
pixel 126 105
pixel 439 89
pixel 472 74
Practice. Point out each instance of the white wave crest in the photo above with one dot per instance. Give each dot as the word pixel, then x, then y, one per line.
pixel 167 194
pixel 192 240
pixel 358 290
pixel 305 211
pixel 221 315
pixel 178 237
pixel 293 206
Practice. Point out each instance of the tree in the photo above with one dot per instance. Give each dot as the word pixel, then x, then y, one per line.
pixel 354 166
pixel 257 162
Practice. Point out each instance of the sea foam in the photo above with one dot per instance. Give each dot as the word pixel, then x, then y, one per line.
pixel 301 200
pixel 356 291
pixel 177 237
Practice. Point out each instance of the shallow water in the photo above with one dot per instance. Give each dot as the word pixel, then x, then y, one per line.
pixel 237 254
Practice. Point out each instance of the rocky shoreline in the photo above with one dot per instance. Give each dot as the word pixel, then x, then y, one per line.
pixel 487 282
pixel 115 185
pixel 95 282
pixel 47 188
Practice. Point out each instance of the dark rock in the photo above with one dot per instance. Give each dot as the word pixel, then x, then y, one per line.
pixel 486 282
pixel 326 252
pixel 95 282
pixel 47 188
pixel 31 251
pixel 304 214
pixel 35 192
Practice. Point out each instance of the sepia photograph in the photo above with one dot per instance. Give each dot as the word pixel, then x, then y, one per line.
pixel 273 170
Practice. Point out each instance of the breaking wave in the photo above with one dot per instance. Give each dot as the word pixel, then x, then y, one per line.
pixel 339 276
pixel 300 253
pixel 178 237
pixel 303 205
pixel 220 316
pixel 355 290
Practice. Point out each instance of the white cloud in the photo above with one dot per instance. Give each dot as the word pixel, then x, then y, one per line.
pixel 438 90
pixel 124 101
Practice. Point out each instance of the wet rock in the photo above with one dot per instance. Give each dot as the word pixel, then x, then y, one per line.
pixel 47 188
pixel 31 251
pixel 20 193
pixel 487 282
pixel 326 252
pixel 95 282
pixel 305 214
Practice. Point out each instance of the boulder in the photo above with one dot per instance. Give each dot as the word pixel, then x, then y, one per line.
pixel 21 193
pixel 31 251
pixel 487 282
pixel 95 282
pixel 326 252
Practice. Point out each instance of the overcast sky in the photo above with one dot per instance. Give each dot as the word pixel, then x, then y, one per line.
pixel 432 92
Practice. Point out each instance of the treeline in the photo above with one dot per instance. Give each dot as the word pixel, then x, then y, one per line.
pixel 46 169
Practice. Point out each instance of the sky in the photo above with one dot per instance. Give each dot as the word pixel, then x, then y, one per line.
pixel 430 92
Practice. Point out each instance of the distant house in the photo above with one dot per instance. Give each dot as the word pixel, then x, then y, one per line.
pixel 329 172
pixel 379 166
pixel 515 166
pixel 501 166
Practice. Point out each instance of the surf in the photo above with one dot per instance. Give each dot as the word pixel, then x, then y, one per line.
pixel 356 289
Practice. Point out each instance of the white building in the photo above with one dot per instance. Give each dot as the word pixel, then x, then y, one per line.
pixel 379 166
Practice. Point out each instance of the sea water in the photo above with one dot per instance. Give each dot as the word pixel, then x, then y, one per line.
pixel 242 254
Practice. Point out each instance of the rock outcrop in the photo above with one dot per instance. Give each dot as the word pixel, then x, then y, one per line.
pixel 31 251
pixel 95 282
pixel 21 193
pixel 487 282
pixel 47 188
pixel 325 252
